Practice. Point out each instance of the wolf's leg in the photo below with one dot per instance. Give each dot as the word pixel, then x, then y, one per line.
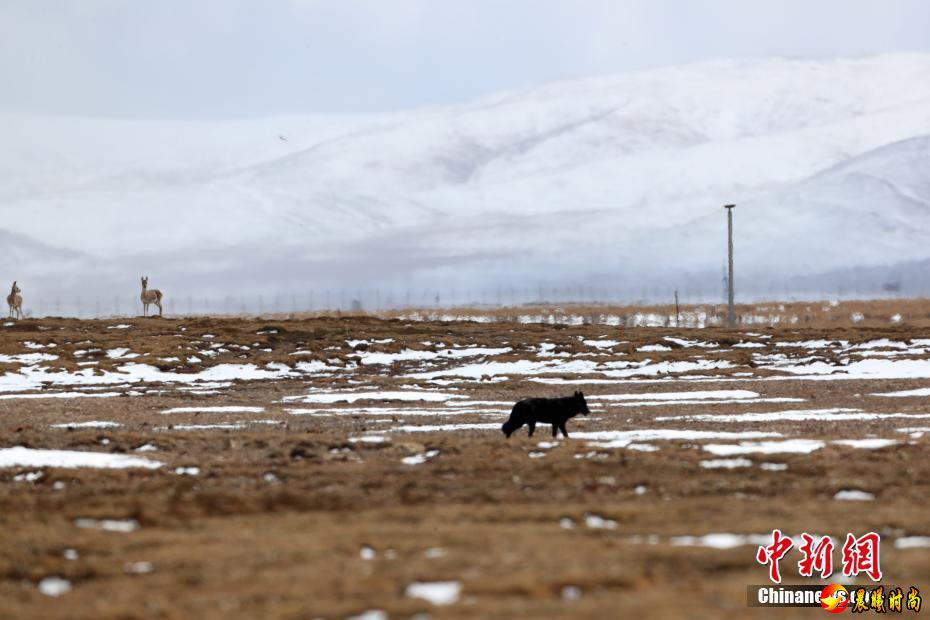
pixel 532 426
pixel 562 428
pixel 555 430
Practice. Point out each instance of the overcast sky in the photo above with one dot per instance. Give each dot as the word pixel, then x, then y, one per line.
pixel 229 58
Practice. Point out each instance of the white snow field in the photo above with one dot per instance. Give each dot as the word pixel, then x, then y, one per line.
pixel 19 456
pixel 832 149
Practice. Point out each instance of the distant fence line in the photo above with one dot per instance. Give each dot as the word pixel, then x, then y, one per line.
pixel 387 300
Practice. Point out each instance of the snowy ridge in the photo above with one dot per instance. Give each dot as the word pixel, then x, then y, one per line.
pixel 464 192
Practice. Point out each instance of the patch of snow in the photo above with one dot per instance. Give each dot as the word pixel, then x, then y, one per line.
pixel 121 353
pixel 33 377
pixel 774 466
pixel 436 428
pixel 720 540
pixel 29 476
pixel 351 397
pixel 92 424
pixel 419 459
pixel 371 614
pixel 653 347
pixel 517 367
pixel 794 415
pixel 54 586
pixel 208 427
pixel 670 396
pixel 138 568
pixel 866 444
pixel 44 395
pixel 596 522
pixel 852 495
pixel 798 446
pixel 622 439
pixel 912 542
pixel 726 463
pixel 689 344
pixel 436 592
pixel 370 439
pixel 812 344
pixel 922 392
pixel 225 409
pixel 880 343
pixel 369 358
pixel 69 459
pixel 27 358
pixel 668 403
pixel 613 369
pixel 862 369
pixel 123 526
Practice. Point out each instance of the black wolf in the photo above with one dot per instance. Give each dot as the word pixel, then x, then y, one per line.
pixel 554 411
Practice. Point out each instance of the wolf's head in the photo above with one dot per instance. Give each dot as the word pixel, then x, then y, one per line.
pixel 509 427
pixel 582 404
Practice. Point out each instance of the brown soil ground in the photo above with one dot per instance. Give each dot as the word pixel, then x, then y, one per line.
pixel 275 523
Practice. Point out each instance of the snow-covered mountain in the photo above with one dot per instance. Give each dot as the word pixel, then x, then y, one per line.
pixel 616 180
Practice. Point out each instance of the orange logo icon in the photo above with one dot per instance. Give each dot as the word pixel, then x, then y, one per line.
pixel 834 599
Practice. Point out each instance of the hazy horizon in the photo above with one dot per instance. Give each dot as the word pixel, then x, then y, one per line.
pixel 238 59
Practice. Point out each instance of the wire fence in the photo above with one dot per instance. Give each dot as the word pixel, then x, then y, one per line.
pixel 388 300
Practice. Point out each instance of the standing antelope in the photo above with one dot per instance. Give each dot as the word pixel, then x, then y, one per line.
pixel 15 301
pixel 149 297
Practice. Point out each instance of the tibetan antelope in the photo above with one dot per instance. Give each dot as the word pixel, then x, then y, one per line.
pixel 149 297
pixel 15 301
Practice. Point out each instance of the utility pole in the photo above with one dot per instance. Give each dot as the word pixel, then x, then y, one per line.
pixel 731 314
